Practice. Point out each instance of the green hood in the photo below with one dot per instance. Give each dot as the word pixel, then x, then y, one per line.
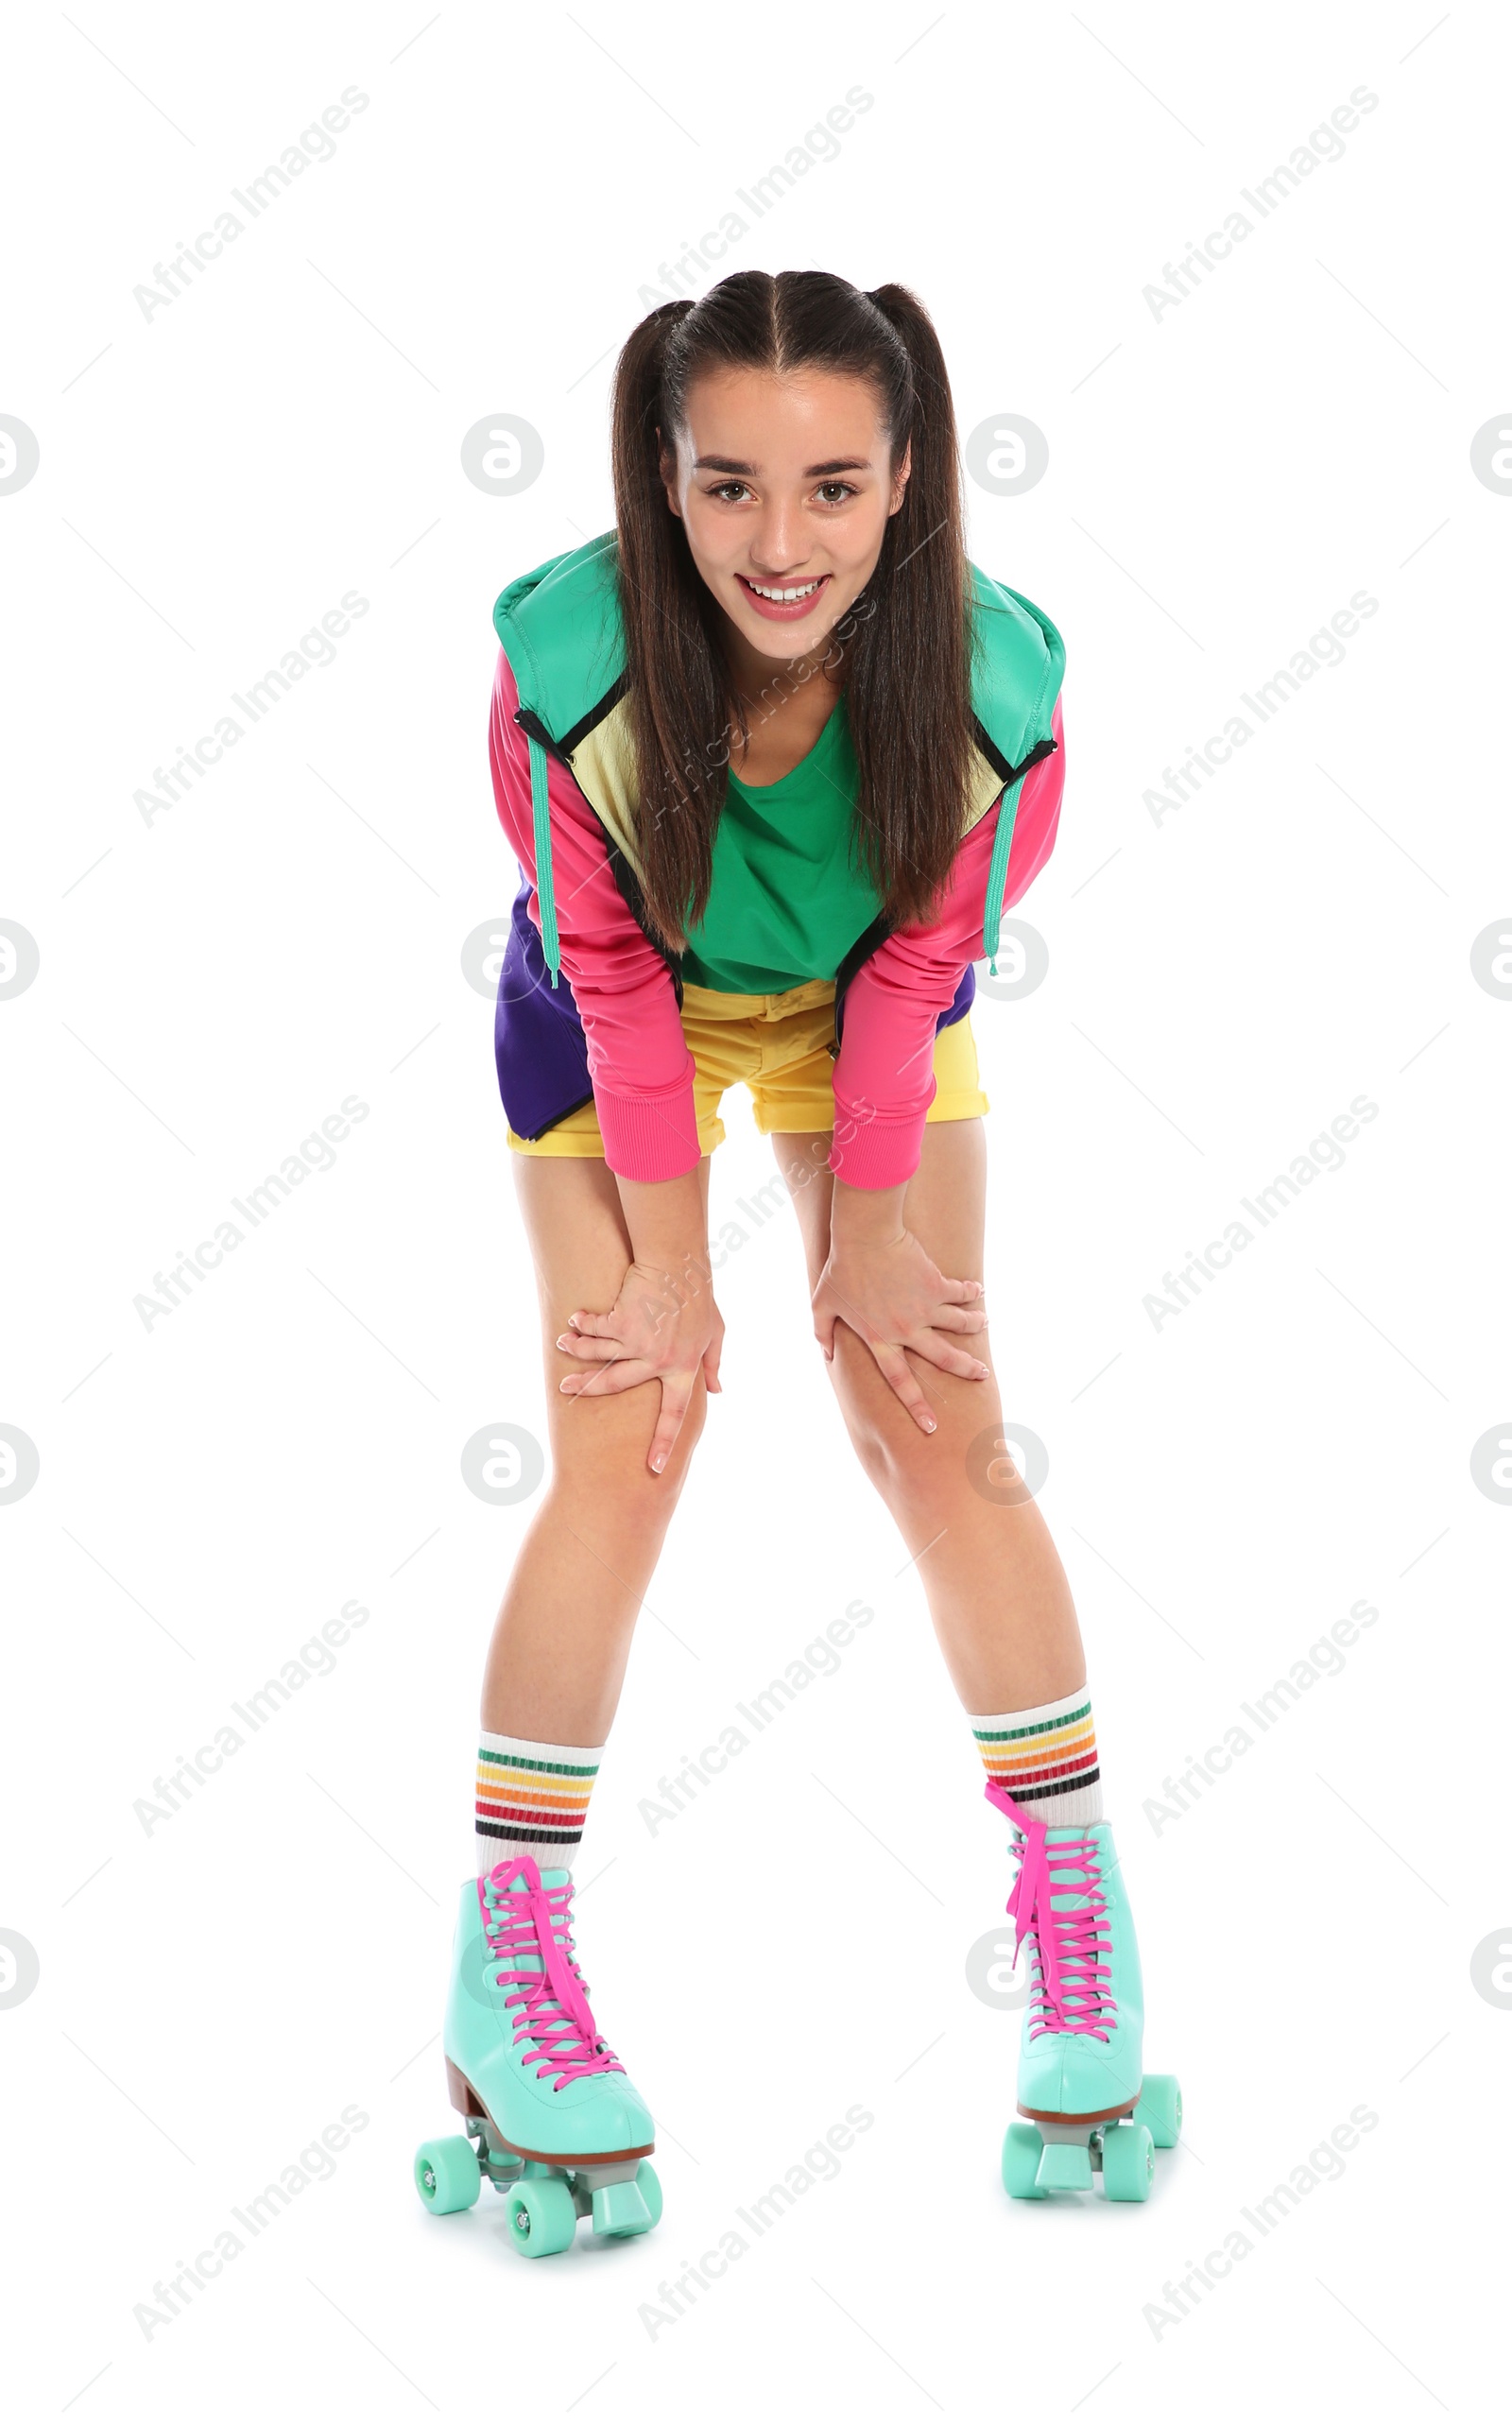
pixel 560 627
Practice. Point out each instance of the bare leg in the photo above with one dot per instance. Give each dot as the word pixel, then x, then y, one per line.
pixel 563 1638
pixel 997 1591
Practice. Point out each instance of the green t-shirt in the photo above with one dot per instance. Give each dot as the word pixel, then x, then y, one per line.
pixel 788 898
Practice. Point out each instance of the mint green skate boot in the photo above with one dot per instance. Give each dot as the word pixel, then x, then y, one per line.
pixel 551 2118
pixel 1089 2104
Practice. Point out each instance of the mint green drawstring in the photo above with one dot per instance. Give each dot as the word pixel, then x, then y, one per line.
pixel 545 891
pixel 997 875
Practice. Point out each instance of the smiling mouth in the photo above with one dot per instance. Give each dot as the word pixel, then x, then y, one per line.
pixel 782 598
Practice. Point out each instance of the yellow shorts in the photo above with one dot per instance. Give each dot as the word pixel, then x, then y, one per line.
pixel 777 1045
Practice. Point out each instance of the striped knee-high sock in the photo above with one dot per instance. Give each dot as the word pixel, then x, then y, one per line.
pixel 531 1798
pixel 1046 1757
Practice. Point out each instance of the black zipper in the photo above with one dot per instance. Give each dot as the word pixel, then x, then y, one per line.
pixel 1000 766
pixel 528 719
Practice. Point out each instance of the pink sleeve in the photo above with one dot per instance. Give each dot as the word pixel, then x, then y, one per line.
pixel 638 1057
pixel 884 1074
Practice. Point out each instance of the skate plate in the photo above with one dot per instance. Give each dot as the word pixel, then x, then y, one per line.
pixel 546 2193
pixel 1045 2153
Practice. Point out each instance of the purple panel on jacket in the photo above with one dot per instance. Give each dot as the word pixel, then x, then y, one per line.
pixel 538 1047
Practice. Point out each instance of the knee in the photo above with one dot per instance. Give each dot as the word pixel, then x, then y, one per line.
pixel 894 1454
pixel 908 1467
pixel 871 1441
pixel 921 1474
pixel 599 1449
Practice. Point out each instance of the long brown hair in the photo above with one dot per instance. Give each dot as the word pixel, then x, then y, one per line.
pixel 907 639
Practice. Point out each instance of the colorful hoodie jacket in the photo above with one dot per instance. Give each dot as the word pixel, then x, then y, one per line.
pixel 588 1000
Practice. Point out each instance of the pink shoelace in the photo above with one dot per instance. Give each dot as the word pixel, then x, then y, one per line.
pixel 531 1919
pixel 1071 1974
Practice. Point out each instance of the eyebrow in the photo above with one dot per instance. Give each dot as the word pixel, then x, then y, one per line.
pixel 813 471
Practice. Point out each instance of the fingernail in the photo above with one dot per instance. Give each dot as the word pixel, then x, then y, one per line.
pixel 657 1463
pixel 563 1341
pixel 930 1424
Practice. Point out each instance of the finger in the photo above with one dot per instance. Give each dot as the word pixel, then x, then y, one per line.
pixel 898 1374
pixel 592 1351
pixel 960 1293
pixel 952 1317
pixel 593 1326
pixel 676 1393
pixel 710 1365
pixel 824 1321
pixel 937 1352
pixel 607 1380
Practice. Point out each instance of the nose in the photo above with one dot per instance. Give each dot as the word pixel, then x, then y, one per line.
pixel 780 546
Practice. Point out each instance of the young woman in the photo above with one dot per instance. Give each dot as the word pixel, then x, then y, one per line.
pixel 773 756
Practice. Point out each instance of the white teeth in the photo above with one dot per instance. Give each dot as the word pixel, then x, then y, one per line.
pixel 783 597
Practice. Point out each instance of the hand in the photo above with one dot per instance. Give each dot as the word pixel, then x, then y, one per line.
pixel 893 1295
pixel 663 1327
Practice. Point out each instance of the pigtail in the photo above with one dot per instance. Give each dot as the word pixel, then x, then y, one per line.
pixel 909 692
pixel 679 688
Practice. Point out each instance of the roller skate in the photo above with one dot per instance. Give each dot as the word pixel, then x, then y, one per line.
pixel 1087 2105
pixel 552 2121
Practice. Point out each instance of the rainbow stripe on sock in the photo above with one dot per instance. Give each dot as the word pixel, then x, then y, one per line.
pixel 1044 1757
pixel 529 1798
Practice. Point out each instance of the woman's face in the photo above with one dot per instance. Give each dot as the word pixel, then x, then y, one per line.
pixel 781 484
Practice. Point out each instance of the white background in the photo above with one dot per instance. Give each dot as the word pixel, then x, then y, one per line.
pixel 211 985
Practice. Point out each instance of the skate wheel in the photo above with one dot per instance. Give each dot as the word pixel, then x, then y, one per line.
pixel 542 2217
pixel 1128 2161
pixel 447 2176
pixel 1159 2108
pixel 650 2189
pixel 1022 2151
